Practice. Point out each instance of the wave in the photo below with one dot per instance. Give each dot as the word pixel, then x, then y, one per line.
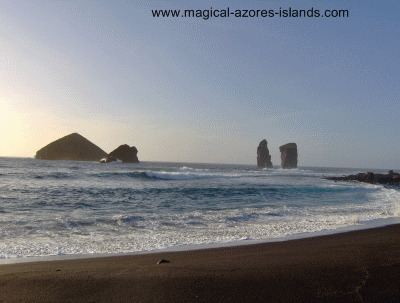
pixel 187 175
pixel 182 174
pixel 55 175
pixel 113 175
pixel 293 172
pixel 186 168
pixel 174 173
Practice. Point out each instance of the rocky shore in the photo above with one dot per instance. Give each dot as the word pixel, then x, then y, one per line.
pixel 391 178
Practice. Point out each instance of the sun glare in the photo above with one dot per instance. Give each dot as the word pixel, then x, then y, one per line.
pixel 12 126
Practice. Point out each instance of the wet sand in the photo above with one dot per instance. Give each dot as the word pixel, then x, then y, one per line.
pixel 358 266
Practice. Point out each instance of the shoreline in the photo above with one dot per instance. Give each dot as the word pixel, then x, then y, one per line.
pixel 350 266
pixel 376 223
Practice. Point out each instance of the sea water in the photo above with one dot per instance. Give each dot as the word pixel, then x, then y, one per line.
pixel 68 208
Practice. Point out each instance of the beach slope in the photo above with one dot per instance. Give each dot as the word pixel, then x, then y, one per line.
pixel 359 266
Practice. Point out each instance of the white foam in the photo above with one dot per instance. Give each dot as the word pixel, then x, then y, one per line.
pixel 161 231
pixel 190 169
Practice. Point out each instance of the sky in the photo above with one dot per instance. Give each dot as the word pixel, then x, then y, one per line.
pixel 195 90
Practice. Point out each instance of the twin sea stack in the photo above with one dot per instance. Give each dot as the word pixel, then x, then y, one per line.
pixel 288 155
pixel 77 148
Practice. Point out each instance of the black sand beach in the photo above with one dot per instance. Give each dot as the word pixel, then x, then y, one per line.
pixel 357 266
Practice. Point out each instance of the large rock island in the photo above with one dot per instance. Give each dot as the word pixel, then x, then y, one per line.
pixel 124 153
pixel 263 156
pixel 72 147
pixel 288 155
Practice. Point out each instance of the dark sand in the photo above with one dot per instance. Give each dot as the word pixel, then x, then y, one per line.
pixel 360 266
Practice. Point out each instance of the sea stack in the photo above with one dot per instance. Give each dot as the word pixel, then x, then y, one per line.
pixel 263 156
pixel 288 155
pixel 124 153
pixel 72 147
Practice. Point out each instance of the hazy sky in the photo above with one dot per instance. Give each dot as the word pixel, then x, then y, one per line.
pixel 188 89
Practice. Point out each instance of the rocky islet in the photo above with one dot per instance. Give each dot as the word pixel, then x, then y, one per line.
pixel 75 147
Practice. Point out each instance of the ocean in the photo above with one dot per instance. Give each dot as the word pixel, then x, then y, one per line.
pixel 71 209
